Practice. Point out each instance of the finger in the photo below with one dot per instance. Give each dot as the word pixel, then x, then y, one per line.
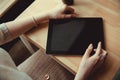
pixel 69 15
pixel 102 50
pixel 101 59
pixel 69 10
pixel 99 48
pixel 61 16
pixel 88 50
pixel 99 63
pixel 95 50
pixel 74 15
pixel 104 54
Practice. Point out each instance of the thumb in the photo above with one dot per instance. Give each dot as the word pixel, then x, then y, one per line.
pixel 69 15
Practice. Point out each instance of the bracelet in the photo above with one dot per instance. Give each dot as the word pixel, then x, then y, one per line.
pixel 36 25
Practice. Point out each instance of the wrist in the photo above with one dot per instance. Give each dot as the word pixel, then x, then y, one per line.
pixel 80 77
pixel 41 18
pixel 81 74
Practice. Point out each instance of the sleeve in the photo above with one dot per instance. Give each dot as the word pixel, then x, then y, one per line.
pixel 5 36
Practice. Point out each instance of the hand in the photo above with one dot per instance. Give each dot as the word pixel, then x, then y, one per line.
pixel 59 12
pixel 89 63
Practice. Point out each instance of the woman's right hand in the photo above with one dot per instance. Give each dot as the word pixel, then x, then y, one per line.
pixel 89 63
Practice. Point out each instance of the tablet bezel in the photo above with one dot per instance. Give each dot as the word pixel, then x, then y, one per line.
pixel 50 28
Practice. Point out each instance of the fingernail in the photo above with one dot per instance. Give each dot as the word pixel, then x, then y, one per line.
pixel 100 43
pixel 91 46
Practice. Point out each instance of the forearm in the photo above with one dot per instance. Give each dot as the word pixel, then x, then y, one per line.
pixel 20 26
pixel 81 73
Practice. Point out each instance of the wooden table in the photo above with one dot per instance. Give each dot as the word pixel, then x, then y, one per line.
pixel 5 5
pixel 109 10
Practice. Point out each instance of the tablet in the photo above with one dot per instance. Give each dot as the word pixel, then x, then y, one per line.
pixel 72 36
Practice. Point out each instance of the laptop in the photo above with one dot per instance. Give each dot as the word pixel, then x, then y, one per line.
pixel 72 36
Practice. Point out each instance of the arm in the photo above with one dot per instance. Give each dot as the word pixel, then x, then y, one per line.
pixel 12 29
pixel 89 63
pixel 20 26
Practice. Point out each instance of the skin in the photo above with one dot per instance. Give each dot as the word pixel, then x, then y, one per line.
pixel 8 70
pixel 20 26
pixel 89 63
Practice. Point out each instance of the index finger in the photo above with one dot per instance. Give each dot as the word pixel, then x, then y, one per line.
pixel 88 51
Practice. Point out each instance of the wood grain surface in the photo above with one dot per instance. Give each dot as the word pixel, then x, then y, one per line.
pixel 109 10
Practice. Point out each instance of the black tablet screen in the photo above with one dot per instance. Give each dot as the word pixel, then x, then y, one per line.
pixel 72 36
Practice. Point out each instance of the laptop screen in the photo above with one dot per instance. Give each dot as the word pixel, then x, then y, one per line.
pixel 72 36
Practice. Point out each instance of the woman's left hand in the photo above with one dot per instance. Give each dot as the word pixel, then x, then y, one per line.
pixel 62 11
